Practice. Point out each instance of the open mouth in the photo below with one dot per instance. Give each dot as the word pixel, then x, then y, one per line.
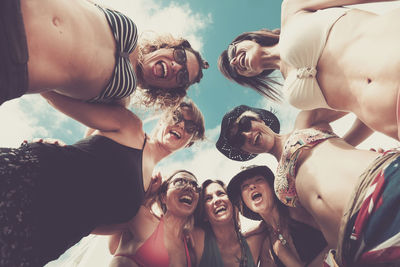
pixel 186 199
pixel 161 69
pixel 256 196
pixel 175 133
pixel 257 139
pixel 220 209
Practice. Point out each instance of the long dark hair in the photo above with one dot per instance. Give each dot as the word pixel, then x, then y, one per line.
pixel 199 219
pixel 262 83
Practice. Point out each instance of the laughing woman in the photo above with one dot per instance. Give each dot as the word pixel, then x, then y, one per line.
pixel 330 56
pixel 352 194
pixel 52 196
pixel 152 241
pixel 218 240
pixel 82 50
pixel 290 242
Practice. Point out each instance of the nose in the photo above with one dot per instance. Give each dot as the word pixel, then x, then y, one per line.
pixel 176 66
pixel 233 61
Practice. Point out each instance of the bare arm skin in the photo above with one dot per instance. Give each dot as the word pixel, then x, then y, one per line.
pixel 291 7
pixel 103 117
pixel 307 118
pixel 354 136
pixel 357 133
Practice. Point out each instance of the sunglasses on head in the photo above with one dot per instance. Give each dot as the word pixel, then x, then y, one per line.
pixel 189 125
pixel 182 77
pixel 244 125
pixel 181 182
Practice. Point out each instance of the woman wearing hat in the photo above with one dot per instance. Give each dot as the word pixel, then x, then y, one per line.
pixel 289 242
pixel 217 238
pixel 352 194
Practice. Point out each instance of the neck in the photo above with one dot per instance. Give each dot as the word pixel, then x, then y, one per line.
pixel 225 234
pixel 174 224
pixel 277 149
pixel 156 150
pixel 272 218
pixel 271 58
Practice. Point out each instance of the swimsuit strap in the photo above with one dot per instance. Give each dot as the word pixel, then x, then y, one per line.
pixel 145 139
pixel 189 262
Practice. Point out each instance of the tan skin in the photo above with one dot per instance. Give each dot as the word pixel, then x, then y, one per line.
pixel 220 212
pixel 326 174
pixel 258 196
pixel 72 50
pixel 358 65
pixel 125 128
pixel 145 223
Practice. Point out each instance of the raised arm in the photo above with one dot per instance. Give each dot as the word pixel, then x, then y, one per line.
pixel 291 7
pixel 103 117
pixel 309 118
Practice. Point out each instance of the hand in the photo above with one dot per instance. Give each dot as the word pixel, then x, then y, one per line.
pixel 155 182
pixel 380 150
pixel 49 141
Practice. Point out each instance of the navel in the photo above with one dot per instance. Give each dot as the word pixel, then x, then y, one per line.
pixel 57 22
pixel 369 80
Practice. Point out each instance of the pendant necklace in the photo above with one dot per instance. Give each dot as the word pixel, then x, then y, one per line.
pixel 281 238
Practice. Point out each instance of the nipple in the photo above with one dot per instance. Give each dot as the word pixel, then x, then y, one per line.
pixel 308 72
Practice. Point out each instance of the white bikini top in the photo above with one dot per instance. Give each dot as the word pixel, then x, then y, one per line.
pixel 301 44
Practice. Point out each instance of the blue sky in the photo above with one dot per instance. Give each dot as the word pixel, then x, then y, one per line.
pixel 210 25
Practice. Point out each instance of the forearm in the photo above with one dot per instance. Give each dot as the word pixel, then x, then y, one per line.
pixel 97 116
pixel 313 5
pixel 357 133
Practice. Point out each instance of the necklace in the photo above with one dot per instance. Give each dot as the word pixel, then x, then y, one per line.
pixel 280 236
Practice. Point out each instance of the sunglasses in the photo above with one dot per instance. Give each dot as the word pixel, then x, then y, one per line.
pixel 181 182
pixel 189 125
pixel 182 77
pixel 244 125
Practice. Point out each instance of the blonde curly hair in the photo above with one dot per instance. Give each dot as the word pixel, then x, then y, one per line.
pixel 157 96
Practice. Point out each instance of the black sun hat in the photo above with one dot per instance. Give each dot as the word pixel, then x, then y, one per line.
pixel 234 191
pixel 223 144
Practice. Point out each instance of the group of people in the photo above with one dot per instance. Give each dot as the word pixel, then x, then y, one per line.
pixel 327 203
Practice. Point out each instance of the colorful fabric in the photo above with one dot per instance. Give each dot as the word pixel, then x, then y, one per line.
pixel 285 178
pixel 370 230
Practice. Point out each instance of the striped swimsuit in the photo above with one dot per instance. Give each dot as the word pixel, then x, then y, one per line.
pixel 123 81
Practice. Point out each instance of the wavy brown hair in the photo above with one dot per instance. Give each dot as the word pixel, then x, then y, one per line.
pixel 262 83
pixel 160 96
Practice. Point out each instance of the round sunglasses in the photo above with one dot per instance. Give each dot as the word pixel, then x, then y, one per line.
pixel 181 182
pixel 182 77
pixel 189 125
pixel 244 125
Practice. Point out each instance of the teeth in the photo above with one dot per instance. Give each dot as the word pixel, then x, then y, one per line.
pixel 257 138
pixel 219 209
pixel 186 199
pixel 176 133
pixel 256 195
pixel 165 69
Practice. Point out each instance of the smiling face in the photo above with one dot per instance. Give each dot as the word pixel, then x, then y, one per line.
pixel 217 206
pixel 251 135
pixel 182 194
pixel 245 58
pixel 257 194
pixel 177 129
pixel 169 68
